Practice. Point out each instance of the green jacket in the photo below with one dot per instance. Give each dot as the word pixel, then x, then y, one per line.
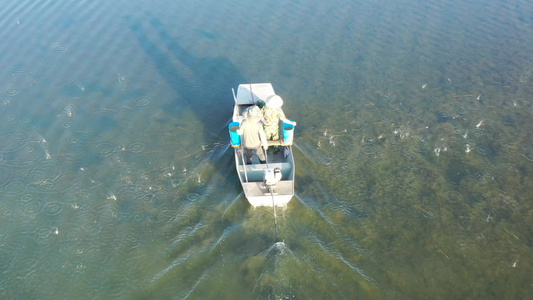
pixel 272 117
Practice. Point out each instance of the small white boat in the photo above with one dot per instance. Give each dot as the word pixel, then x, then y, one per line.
pixel 259 190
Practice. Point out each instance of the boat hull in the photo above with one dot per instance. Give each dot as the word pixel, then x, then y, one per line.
pixel 251 176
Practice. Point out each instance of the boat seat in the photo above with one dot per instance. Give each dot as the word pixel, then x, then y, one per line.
pixel 255 172
pixel 277 143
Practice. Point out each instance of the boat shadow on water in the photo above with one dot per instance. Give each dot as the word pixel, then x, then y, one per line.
pixel 199 84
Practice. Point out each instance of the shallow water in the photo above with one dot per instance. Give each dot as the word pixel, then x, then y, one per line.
pixel 413 152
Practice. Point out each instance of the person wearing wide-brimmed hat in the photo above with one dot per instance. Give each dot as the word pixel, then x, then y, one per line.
pixel 254 111
pixel 272 114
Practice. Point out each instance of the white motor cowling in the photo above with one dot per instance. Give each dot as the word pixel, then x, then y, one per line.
pixel 272 176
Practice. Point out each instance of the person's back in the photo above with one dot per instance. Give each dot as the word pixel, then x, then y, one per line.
pixel 251 129
pixel 253 137
pixel 272 113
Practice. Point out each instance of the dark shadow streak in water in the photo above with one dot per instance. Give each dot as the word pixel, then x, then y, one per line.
pixel 188 82
pixel 217 74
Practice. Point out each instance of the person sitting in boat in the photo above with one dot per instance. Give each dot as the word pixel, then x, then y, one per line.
pixel 253 136
pixel 272 114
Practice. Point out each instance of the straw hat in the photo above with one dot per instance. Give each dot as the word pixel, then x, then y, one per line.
pixel 252 111
pixel 274 101
pixel 255 111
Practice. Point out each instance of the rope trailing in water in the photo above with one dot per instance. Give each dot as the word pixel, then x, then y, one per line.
pixel 273 202
pixel 275 217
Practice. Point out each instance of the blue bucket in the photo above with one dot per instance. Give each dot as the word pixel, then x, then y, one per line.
pixel 288 131
pixel 233 135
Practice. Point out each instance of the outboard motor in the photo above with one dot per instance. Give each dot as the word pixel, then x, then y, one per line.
pixel 271 176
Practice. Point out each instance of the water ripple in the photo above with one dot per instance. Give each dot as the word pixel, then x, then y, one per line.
pixel 204 99
pixel 369 148
pixel 14 187
pixel 13 141
pixel 26 198
pixel 26 61
pixel 44 174
pixel 25 266
pixel 95 256
pixel 7 254
pixel 12 92
pixel 109 213
pixel 131 240
pixel 105 148
pixel 44 232
pixel 136 147
pixel 120 38
pixel 59 47
pixel 142 101
pixel 30 116
pixel 166 216
pixel 53 208
pixel 74 152
pixel 84 84
pixel 33 207
pixel 8 118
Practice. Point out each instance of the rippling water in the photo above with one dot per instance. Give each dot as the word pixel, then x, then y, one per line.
pixel 413 150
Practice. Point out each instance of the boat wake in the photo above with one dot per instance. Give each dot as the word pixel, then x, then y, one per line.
pixel 215 233
pixel 274 280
